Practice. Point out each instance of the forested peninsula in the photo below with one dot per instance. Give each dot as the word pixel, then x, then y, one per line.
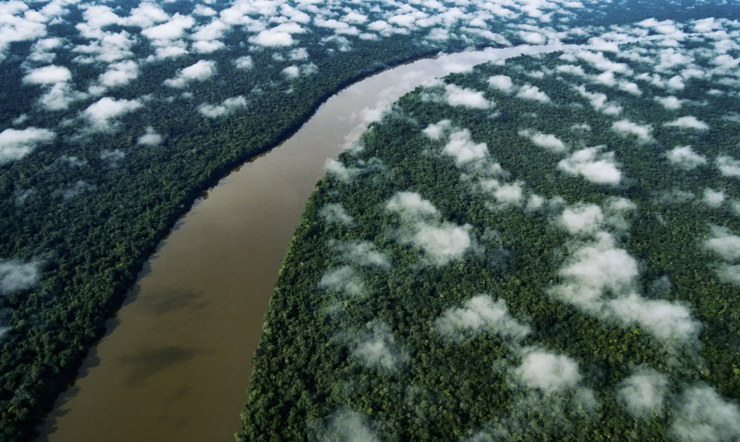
pixel 544 248
pixel 117 115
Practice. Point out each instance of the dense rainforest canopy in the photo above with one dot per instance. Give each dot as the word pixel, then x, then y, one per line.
pixel 116 115
pixel 540 249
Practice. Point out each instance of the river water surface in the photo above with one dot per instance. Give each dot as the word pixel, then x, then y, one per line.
pixel 176 360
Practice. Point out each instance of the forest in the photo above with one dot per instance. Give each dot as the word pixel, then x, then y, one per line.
pixel 541 249
pixel 110 164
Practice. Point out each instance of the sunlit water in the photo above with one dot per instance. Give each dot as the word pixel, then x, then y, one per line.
pixel 176 360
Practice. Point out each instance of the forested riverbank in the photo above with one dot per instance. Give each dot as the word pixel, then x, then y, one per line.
pixel 542 249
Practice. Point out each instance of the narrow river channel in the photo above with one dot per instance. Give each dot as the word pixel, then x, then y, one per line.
pixel 176 359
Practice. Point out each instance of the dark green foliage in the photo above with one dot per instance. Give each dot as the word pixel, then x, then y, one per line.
pixel 305 372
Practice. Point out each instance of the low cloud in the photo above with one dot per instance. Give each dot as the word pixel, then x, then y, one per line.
pixel 335 214
pixel 16 275
pixel 200 71
pixel 626 128
pixel 529 92
pixel 703 416
pixel 670 102
pixel 724 244
pixel 119 74
pixel 227 107
pixel 480 314
pixel 685 158
pixel 582 218
pixel 714 198
pixel 376 347
pixel 594 165
pixel 502 83
pixel 643 393
pixel 244 62
pixel 435 131
pixel 728 166
pixel 689 122
pixel 343 281
pixel 598 269
pixel 463 149
pixel 548 372
pixel 547 141
pixel 150 138
pixel 361 253
pixel 444 243
pixel 348 426
pixel 411 205
pixel 457 96
pixel 16 144
pixel 48 75
pixel 79 187
pixel 101 114
pixel 340 171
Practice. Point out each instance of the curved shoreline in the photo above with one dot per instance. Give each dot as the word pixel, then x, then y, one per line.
pixel 184 232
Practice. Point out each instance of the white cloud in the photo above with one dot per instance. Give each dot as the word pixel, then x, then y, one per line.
pixel 643 393
pixel 100 113
pixel 548 372
pixel 457 96
pixel 119 74
pixel 361 253
pixel 670 102
pixel 689 122
pixel 703 416
pixel 291 72
pixel 227 107
pixel 582 218
pixel 713 198
pixel 15 275
pixel 463 149
pixel 599 101
pixel 340 171
pixel 529 92
pixel 443 244
pixel 298 54
pixel 275 37
pixel 378 348
pixel 343 281
pixel 200 71
pixel 172 30
pixel 533 38
pixel 728 166
pixel 411 205
pixel 150 138
pixel 16 144
pixel 74 191
pixel 626 127
pixel 547 141
pixel 435 131
pixel 244 62
pixel 60 96
pixel 501 82
pixel 335 214
pixel 664 320
pixel 600 267
pixel 349 426
pixel 595 166
pixel 480 314
pixel 724 244
pixel 685 158
pixel 48 75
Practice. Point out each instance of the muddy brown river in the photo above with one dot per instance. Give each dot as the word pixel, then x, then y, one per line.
pixel 175 362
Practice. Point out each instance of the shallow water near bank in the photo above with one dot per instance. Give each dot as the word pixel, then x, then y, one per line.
pixel 176 359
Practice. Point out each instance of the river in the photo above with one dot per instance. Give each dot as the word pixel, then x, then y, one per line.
pixel 175 361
